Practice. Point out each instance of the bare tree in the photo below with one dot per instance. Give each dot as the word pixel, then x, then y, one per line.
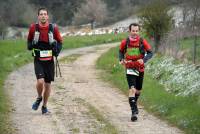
pixel 2 21
pixel 195 24
pixel 185 11
pixel 192 19
pixel 190 28
pixel 21 13
pixel 3 28
pixel 92 10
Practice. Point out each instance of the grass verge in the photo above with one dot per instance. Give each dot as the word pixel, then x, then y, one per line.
pixel 13 54
pixel 182 112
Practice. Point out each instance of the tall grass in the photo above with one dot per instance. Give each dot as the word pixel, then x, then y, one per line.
pixel 178 110
pixel 188 44
pixel 14 54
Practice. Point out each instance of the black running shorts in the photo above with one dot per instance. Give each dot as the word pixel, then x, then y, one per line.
pixel 135 81
pixel 44 69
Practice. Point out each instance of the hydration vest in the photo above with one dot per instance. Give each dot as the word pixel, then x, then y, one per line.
pixel 136 52
pixel 43 50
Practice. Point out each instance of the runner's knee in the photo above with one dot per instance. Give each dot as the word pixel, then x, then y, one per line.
pixel 47 86
pixel 137 92
pixel 40 82
pixel 132 91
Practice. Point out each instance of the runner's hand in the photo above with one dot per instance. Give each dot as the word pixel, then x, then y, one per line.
pixel 141 61
pixel 122 62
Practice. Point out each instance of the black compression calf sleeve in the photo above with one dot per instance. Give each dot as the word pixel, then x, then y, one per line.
pixel 136 97
pixel 132 102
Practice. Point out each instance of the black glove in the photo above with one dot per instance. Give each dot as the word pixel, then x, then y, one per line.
pixel 59 48
pixel 56 48
pixel 31 45
pixel 34 43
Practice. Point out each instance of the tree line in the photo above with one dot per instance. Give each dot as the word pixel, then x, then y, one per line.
pixel 66 12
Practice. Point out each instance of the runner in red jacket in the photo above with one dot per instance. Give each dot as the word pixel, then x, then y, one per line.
pixel 133 53
pixel 45 42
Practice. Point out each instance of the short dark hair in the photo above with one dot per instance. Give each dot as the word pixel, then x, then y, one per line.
pixel 42 8
pixel 133 24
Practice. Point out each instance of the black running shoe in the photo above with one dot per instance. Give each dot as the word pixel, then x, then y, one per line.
pixel 133 117
pixel 45 110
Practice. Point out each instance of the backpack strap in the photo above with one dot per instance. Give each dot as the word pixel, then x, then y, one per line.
pixel 51 27
pixel 127 43
pixel 141 41
pixel 141 45
pixel 36 27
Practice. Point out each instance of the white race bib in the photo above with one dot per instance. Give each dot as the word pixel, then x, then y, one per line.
pixel 132 72
pixel 45 53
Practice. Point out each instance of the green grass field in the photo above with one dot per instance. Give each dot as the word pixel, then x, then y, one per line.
pixel 182 112
pixel 83 41
pixel 14 54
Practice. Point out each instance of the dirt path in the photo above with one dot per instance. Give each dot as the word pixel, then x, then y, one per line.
pixel 79 83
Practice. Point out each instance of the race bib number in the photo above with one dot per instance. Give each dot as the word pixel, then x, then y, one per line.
pixel 132 72
pixel 45 53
